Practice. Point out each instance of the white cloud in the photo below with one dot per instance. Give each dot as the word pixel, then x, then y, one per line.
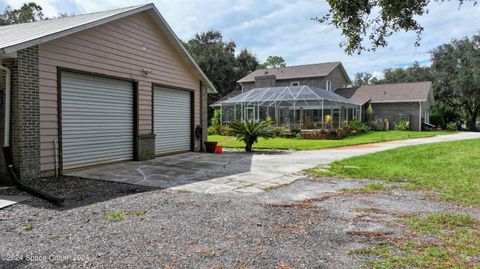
pixel 285 28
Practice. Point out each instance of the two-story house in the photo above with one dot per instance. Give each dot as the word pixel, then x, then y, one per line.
pixel 328 76
pixel 300 96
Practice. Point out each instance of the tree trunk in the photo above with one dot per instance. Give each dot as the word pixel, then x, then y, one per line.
pixel 472 122
pixel 249 144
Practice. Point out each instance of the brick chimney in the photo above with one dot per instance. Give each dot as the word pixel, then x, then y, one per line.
pixel 265 81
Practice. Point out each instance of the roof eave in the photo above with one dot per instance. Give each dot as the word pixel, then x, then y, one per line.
pixel 288 78
pixel 399 101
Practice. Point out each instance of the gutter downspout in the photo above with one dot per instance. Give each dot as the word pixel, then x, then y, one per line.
pixel 420 116
pixel 7 150
pixel 6 137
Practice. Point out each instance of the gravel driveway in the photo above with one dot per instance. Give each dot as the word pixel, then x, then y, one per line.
pixel 307 224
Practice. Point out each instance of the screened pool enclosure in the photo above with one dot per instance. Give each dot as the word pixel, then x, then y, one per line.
pixel 300 107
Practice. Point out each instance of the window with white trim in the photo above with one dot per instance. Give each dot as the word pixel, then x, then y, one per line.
pixel 329 86
pixel 295 83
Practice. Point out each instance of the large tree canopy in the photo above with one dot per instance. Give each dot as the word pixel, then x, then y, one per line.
pixel 456 69
pixel 364 78
pixel 414 73
pixel 246 62
pixel 376 20
pixel 27 13
pixel 274 62
pixel 218 61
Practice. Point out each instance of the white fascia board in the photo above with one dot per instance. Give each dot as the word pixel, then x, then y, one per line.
pixel 398 101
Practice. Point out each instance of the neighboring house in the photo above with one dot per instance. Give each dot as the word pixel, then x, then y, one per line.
pixel 105 87
pixel 328 76
pixel 395 102
pixel 300 96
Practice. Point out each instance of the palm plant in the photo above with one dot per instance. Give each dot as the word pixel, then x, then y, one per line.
pixel 250 131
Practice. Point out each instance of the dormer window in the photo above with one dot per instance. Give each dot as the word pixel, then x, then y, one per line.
pixel 296 83
pixel 329 86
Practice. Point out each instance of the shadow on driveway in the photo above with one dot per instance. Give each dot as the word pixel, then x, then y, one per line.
pixel 173 170
pixel 77 192
pixel 102 183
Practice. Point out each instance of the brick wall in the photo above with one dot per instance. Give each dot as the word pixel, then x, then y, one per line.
pixel 25 116
pixel 145 147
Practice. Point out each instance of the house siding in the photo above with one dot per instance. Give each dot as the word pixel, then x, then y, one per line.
pixel 122 48
pixel 336 77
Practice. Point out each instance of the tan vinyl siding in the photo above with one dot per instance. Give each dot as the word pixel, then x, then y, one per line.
pixel 114 49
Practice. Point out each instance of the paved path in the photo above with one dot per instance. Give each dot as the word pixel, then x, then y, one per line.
pixel 271 170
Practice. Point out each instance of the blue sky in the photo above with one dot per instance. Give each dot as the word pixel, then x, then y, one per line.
pixel 285 28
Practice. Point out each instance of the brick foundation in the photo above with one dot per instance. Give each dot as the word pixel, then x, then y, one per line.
pixel 145 147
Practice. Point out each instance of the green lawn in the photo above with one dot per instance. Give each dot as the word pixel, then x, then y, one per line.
pixel 304 144
pixel 451 169
pixel 432 241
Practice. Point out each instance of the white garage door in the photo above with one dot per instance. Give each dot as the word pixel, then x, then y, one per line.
pixel 97 120
pixel 172 120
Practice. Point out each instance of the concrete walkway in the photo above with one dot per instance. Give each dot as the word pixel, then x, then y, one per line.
pixel 238 171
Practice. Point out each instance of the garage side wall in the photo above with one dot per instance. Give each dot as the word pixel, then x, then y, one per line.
pixel 389 110
pixel 122 48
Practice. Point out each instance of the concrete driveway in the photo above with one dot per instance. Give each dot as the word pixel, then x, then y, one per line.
pixel 238 171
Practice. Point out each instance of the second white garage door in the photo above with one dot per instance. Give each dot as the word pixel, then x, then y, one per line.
pixel 172 122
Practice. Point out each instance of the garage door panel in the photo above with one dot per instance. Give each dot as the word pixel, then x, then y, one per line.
pixel 97 120
pixel 172 120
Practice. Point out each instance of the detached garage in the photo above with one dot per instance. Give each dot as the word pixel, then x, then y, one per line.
pixel 99 88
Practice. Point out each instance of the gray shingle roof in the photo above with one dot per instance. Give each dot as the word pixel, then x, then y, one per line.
pixel 24 35
pixel 299 71
pixel 383 93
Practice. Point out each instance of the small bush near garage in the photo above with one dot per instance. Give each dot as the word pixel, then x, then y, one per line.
pixel 376 125
pixel 216 126
pixel 358 127
pixel 452 126
pixel 402 126
pixel 353 128
pixel 331 134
